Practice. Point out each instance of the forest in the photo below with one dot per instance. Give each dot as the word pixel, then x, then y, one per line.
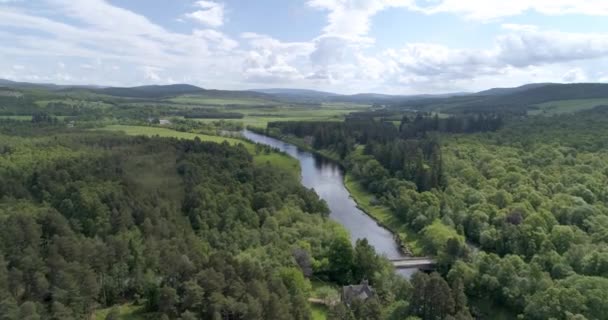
pixel 511 206
pixel 516 212
pixel 185 229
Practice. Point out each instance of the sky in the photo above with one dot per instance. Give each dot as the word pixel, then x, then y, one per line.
pixel 343 46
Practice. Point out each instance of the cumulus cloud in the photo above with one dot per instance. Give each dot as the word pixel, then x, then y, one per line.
pixel 351 18
pixel 98 30
pixel 210 13
pixel 516 57
pixel 493 9
pixel 344 36
pixel 128 48
pixel 575 75
pixel 151 73
pixel 542 47
pixel 222 41
pixel 271 60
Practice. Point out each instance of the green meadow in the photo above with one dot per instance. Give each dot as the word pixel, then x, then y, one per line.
pixel 278 160
pixel 567 106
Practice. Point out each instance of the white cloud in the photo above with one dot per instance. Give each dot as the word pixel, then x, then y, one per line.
pixel 542 47
pixel 126 48
pixel 575 75
pixel 519 27
pixel 18 67
pixel 351 18
pixel 521 54
pixel 493 9
pixel 211 13
pixel 99 31
pixel 222 41
pixel 151 73
pixel 271 60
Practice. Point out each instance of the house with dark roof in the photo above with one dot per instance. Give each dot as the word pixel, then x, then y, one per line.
pixel 361 292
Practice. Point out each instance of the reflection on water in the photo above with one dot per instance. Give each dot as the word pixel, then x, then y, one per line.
pixel 327 179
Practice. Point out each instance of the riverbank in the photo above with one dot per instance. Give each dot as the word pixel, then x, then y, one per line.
pixel 278 160
pixel 300 143
pixel 382 215
pixel 407 239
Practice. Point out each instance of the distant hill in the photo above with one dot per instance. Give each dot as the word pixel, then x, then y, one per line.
pixel 173 90
pixel 295 92
pixel 376 98
pixel 154 91
pixel 297 95
pixel 363 98
pixel 505 91
pixel 520 99
pixel 43 86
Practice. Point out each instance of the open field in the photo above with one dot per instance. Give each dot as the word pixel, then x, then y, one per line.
pixel 277 160
pixel 567 106
pixel 260 116
pixel 75 102
pixel 127 312
pixel 26 118
pixel 164 132
pixel 20 118
pixel 193 99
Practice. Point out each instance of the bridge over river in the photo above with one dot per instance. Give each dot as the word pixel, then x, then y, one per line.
pixel 422 263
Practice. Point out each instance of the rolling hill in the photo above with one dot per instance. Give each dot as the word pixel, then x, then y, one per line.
pixel 506 91
pixel 518 100
pixel 154 91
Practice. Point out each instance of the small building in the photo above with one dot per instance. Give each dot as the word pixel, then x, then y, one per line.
pixel 361 292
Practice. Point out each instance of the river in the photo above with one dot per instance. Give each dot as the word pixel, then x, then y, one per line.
pixel 327 179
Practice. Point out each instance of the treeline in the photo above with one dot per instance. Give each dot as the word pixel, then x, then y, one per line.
pixel 517 103
pixel 520 217
pixel 419 125
pixel 195 114
pixel 341 137
pixel 415 159
pixel 187 229
pixel 17 106
pixel 530 197
pixel 184 229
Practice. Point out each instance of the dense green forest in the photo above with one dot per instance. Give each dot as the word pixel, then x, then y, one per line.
pixel 186 229
pixel 513 208
pixel 517 214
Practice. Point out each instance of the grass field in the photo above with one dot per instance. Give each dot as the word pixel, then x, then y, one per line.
pixel 260 116
pixel 274 159
pixel 127 312
pixel 567 106
pixel 319 312
pixel 382 214
pixel 164 132
pixel 74 102
pixel 27 118
pixel 194 99
pixel 20 118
